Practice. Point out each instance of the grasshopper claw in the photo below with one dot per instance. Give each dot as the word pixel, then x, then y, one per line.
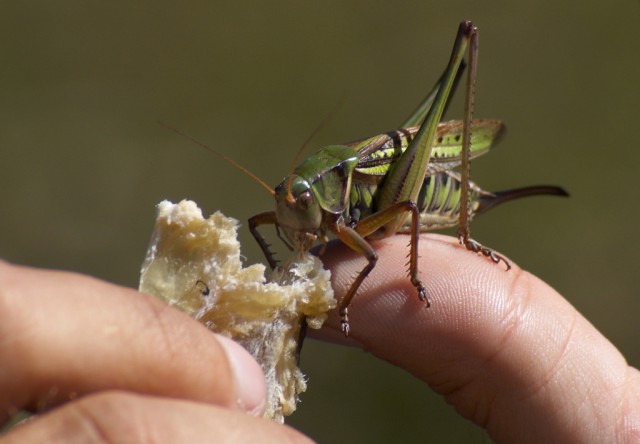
pixel 422 293
pixel 344 322
pixel 477 247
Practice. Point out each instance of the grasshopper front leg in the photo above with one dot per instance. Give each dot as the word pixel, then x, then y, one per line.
pixel 355 239
pixel 267 217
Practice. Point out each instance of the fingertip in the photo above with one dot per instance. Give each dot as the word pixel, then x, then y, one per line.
pixel 490 333
pixel 467 292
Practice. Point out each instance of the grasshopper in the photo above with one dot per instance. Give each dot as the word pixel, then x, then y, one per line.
pixel 397 182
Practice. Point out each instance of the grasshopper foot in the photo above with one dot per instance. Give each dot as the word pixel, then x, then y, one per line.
pixel 477 247
pixel 422 292
pixel 344 321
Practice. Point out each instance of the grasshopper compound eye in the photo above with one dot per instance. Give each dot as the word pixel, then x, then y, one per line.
pixel 305 200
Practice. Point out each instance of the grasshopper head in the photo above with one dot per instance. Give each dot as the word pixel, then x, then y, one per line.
pixel 298 212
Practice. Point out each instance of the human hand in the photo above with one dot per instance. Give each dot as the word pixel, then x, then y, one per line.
pixel 103 363
pixel 505 349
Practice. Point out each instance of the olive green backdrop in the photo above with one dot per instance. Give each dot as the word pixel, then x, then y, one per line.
pixel 83 162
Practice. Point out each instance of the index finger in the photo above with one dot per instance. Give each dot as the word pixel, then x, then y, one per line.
pixel 502 346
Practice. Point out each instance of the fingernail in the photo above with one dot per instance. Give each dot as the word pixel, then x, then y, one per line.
pixel 251 388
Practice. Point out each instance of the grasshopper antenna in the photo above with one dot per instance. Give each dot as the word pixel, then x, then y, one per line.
pixel 321 125
pixel 221 155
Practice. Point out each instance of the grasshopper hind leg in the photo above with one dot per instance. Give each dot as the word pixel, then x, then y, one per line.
pixel 464 232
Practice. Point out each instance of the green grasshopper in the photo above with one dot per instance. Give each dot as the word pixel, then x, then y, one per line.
pixel 398 182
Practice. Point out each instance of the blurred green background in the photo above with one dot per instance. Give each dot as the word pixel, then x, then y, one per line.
pixel 83 162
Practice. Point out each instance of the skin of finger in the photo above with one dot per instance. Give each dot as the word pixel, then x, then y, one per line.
pixel 119 417
pixel 504 348
pixel 64 335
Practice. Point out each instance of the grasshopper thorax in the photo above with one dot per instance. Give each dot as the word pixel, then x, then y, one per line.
pixel 298 212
